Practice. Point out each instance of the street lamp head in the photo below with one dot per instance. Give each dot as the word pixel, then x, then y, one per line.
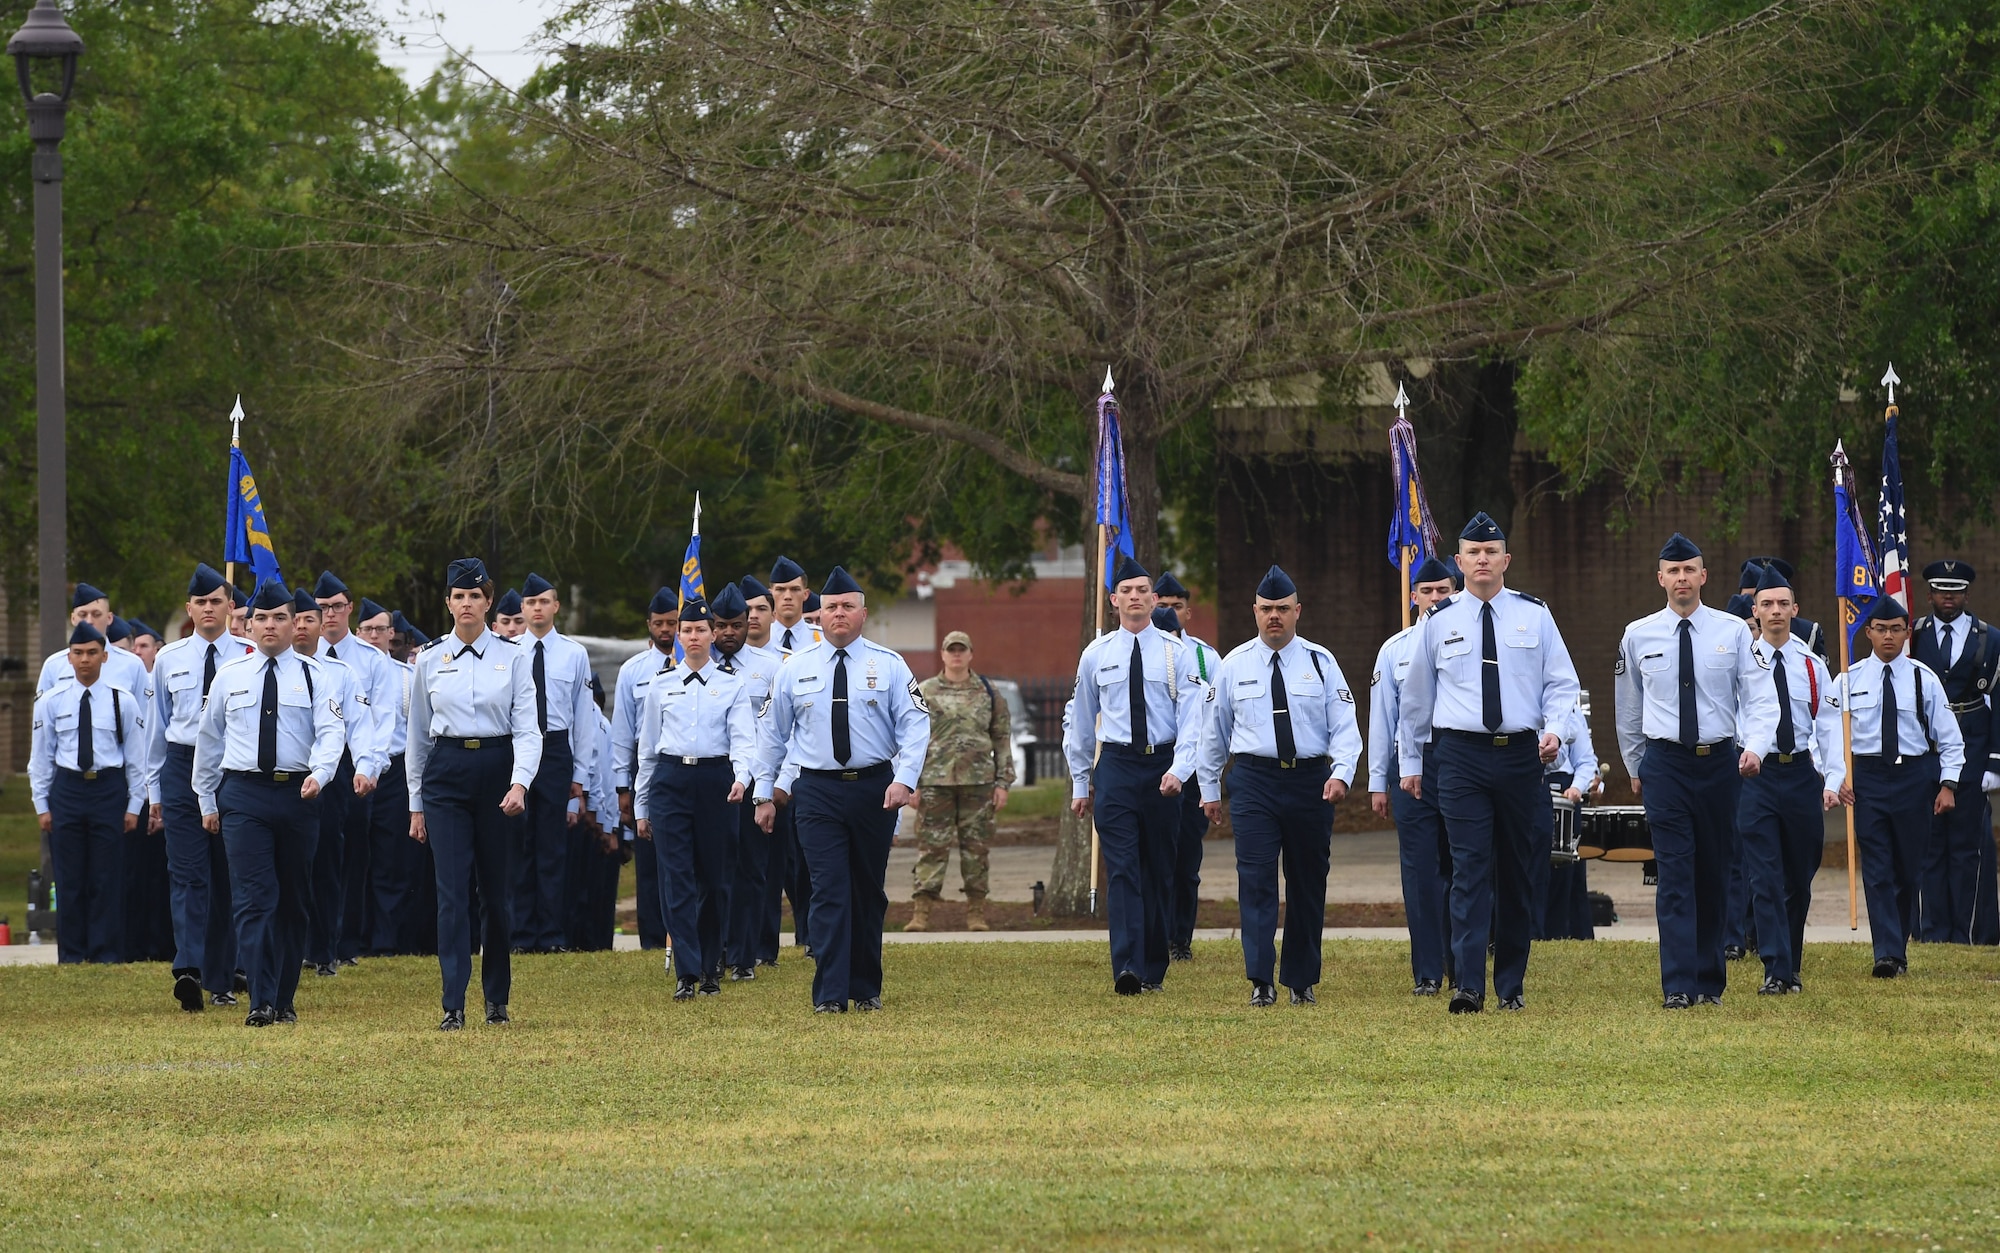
pixel 45 37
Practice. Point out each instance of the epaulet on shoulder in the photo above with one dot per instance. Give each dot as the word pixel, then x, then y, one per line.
pixel 1244 646
pixel 1531 599
pixel 433 642
pixel 514 642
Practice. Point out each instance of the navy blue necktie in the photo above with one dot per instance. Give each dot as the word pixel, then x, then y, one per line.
pixel 1142 737
pixel 267 719
pixel 1787 734
pixel 843 743
pixel 86 739
pixel 208 672
pixel 1892 741
pixel 1489 671
pixel 1281 714
pixel 1690 718
pixel 541 690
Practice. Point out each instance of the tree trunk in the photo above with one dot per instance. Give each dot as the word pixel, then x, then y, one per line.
pixel 1069 877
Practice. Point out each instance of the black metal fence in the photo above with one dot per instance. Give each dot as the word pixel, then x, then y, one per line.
pixel 1046 698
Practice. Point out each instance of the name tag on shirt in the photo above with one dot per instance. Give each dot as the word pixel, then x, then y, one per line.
pixel 809 683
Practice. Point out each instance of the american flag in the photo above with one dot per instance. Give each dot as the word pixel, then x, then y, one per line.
pixel 1892 524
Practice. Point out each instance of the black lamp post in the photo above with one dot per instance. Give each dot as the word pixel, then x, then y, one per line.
pixel 46 37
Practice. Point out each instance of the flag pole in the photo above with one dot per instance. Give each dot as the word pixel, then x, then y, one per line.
pixel 1847 743
pixel 1406 587
pixel 235 441
pixel 1098 592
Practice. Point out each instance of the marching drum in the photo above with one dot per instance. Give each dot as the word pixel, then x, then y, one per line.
pixel 1615 833
pixel 1562 851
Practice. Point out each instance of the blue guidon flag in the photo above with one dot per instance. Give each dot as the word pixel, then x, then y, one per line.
pixel 247 537
pixel 691 572
pixel 1855 580
pixel 1111 506
pixel 1413 535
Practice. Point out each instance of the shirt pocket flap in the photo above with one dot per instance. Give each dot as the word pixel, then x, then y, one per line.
pixel 1454 648
pixel 294 695
pixel 1524 639
pixel 241 698
pixel 1247 689
pixel 183 680
pixel 1868 699
pixel 1653 663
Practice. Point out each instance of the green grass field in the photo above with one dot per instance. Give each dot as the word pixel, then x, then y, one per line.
pixel 1005 1098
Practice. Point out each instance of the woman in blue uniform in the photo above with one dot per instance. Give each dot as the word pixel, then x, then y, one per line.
pixel 474 747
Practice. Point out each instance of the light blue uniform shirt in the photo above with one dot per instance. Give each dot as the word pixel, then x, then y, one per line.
pixel 476 691
pixel 311 729
pixel 1385 706
pixel 696 713
pixel 53 740
pixel 364 731
pixel 126 671
pixel 634 677
pixel 375 687
pixel 1576 755
pixel 398 719
pixel 566 679
pixel 177 694
pixel 1733 699
pixel 1861 688
pixel 786 640
pixel 1101 710
pixel 1241 719
pixel 886 718
pixel 1443 690
pixel 1814 730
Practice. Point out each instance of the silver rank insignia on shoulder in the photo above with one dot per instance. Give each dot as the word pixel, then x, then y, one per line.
pixel 916 695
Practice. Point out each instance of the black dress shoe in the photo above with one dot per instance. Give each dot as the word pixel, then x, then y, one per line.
pixel 350 961
pixel 1734 952
pixel 709 987
pixel 1795 987
pixel 326 970
pixel 1679 1000
pixel 1513 1003
pixel 1181 953
pixel 222 998
pixel 1304 996
pixel 1773 986
pixel 772 963
pixel 454 1020
pixel 288 1014
pixel 262 1016
pixel 187 990
pixel 742 973
pixel 1427 987
pixel 1127 983
pixel 869 1005
pixel 685 989
pixel 1887 968
pixel 1466 1001
pixel 240 984
pixel 830 1007
pixel 1262 994
pixel 1708 998
pixel 496 1014
pixel 1152 987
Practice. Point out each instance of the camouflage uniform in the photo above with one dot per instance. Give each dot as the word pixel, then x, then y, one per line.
pixel 971 753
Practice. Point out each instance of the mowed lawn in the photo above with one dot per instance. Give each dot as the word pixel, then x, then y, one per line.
pixel 1006 1098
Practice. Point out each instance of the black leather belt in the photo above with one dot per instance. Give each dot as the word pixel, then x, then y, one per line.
pixel 1141 750
pixel 267 776
pixel 1280 763
pixel 1699 750
pixel 1898 760
pixel 1489 738
pixel 474 745
pixel 672 759
pixel 875 771
pixel 88 776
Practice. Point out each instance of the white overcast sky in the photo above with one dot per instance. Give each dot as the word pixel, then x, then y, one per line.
pixel 495 34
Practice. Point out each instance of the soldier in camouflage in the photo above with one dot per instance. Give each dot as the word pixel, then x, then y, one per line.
pixel 966 776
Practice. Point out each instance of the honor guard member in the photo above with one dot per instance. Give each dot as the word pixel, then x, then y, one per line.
pixel 730 615
pixel 560 669
pixel 967 771
pixel 1491 682
pixel 761 857
pixel 1421 847
pixel 790 632
pixel 1909 756
pixel 1959 885
pixel 845 714
pixel 1280 707
pixel 510 619
pixel 635 677
pixel 378 685
pixel 361 762
pixel 270 742
pixel 697 738
pixel 1171 595
pixel 88 786
pixel 1562 900
pixel 1804 630
pixel 1137 713
pixel 1696 714
pixel 475 745
pixel 197 865
pixel 1779 819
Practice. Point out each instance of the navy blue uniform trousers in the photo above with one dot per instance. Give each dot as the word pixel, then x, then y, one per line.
pixel 1562 892
pixel 1959 861
pixel 472 843
pixel 1691 801
pixel 1279 816
pixel 149 916
pixel 357 852
pixel 1779 821
pixel 541 863
pixel 744 938
pixel 652 909
pixel 1425 854
pixel 845 835
pixel 1892 827
pixel 1137 831
pixel 694 837
pixel 87 847
pixel 393 862
pixel 198 872
pixel 1187 866
pixel 328 888
pixel 271 834
pixel 1497 819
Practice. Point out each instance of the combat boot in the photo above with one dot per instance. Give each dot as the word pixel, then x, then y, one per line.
pixel 975 912
pixel 920 914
